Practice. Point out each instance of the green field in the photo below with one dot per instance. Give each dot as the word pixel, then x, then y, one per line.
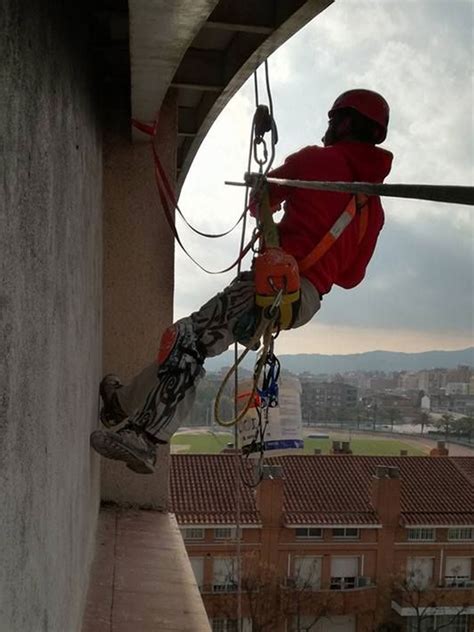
pixel 365 446
pixel 199 443
pixel 206 442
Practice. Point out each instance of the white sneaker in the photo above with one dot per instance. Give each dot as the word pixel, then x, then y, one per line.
pixel 128 445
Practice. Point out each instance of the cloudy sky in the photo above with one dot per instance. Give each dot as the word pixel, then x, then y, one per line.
pixel 418 292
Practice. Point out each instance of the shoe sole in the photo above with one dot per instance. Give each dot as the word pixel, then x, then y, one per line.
pixel 112 448
pixel 109 423
pixel 109 380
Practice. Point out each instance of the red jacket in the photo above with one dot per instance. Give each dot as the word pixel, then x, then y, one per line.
pixel 310 214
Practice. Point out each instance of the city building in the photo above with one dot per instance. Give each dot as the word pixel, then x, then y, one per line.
pixel 461 373
pixel 432 379
pixel 322 400
pixel 462 404
pixel 349 542
pixel 457 388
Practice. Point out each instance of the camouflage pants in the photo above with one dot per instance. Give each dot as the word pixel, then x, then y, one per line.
pixel 160 398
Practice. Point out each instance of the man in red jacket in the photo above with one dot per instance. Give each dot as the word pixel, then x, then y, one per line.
pixel 156 402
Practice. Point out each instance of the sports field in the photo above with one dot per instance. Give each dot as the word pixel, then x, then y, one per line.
pixel 210 443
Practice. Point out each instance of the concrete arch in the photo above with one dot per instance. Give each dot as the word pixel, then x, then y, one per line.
pixel 202 52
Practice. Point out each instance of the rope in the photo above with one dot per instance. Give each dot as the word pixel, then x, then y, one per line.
pixel 170 219
pixel 236 388
pixel 264 330
pixel 151 130
pixel 255 236
pixel 169 203
pixel 434 193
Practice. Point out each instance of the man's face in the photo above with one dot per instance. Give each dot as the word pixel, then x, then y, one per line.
pixel 339 127
pixel 331 136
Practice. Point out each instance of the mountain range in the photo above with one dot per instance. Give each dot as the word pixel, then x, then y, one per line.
pixel 370 361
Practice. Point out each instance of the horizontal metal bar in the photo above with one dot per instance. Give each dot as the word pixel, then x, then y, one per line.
pixel 435 193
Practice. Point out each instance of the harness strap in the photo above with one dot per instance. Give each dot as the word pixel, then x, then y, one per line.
pixel 357 204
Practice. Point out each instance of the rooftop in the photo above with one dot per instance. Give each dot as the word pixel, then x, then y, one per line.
pixel 325 489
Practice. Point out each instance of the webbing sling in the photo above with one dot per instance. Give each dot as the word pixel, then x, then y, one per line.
pixel 356 205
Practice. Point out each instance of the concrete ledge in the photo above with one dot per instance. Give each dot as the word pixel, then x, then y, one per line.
pixel 142 578
pixel 124 487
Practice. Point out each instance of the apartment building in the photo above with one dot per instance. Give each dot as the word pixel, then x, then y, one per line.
pixel 319 400
pixel 335 543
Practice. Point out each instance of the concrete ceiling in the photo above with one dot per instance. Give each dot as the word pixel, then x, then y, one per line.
pixel 204 50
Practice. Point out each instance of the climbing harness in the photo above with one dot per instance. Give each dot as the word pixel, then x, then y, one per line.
pixel 357 205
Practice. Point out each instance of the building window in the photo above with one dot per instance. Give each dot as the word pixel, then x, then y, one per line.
pixel 464 533
pixel 421 535
pixel 224 625
pixel 315 623
pixel 447 623
pixel 192 533
pixel 197 564
pixel 346 533
pixel 224 533
pixel 225 576
pixel 344 572
pixel 308 533
pixel 451 623
pixel 230 625
pixel 419 572
pixel 457 571
pixel 307 572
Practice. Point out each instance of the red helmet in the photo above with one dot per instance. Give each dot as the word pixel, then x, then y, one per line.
pixel 368 103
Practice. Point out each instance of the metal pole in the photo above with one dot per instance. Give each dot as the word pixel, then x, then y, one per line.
pixel 434 193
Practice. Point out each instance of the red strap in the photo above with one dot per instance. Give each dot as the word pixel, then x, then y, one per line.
pixel 164 189
pixel 151 130
pixel 145 128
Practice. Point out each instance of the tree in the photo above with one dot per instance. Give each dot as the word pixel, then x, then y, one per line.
pixel 359 413
pixel 445 424
pixel 424 419
pixel 268 597
pixel 464 427
pixel 374 418
pixel 418 592
pixel 303 603
pixel 392 414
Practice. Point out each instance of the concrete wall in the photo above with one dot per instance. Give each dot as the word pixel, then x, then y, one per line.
pixel 138 280
pixel 50 314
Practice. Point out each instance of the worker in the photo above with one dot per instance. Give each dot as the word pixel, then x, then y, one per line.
pixel 158 400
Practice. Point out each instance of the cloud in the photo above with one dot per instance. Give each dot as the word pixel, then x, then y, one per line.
pixel 419 55
pixel 420 278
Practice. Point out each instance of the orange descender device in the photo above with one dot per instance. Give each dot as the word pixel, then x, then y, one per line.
pixel 276 272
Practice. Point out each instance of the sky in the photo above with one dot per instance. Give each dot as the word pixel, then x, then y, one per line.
pixel 419 287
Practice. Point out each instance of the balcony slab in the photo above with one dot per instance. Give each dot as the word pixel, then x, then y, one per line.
pixel 141 578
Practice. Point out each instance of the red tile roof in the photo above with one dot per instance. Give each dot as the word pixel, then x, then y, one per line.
pixel 333 489
pixel 466 465
pixel 203 489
